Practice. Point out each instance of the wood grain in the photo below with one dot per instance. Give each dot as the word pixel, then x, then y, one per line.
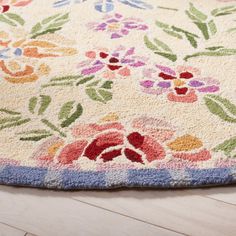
pixel 52 213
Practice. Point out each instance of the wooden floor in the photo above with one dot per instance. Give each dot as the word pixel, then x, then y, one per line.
pixel 199 212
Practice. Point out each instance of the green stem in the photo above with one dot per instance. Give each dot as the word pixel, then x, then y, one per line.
pixel 57 84
pixel 9 111
pixel 167 8
pixel 20 122
pixel 53 127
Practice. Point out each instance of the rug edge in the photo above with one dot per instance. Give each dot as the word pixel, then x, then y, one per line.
pixel 134 178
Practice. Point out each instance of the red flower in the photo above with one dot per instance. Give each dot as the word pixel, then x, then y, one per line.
pixel 143 141
pixel 6 4
pixel 105 142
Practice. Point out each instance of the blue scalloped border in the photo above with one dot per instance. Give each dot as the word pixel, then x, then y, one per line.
pixel 153 178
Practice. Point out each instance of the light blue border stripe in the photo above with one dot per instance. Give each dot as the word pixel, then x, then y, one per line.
pixel 155 178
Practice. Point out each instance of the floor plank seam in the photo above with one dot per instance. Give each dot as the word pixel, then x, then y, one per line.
pixel 131 217
pixel 218 200
pixel 26 232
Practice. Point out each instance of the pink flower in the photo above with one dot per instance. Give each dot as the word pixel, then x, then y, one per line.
pixel 6 4
pixel 111 64
pixel 142 141
pixel 118 26
pixel 181 85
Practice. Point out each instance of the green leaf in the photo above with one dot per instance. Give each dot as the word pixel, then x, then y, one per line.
pixel 35 138
pixel 192 40
pixel 52 127
pixel 56 24
pixel 13 124
pixel 203 28
pixel 6 20
pixel 51 31
pixel 49 25
pixel 107 85
pixel 224 11
pixel 74 116
pixel 172 33
pixel 219 53
pixel 32 104
pixel 212 27
pixel 50 18
pixel 92 93
pixel 156 50
pixel 149 44
pixel 4 110
pixel 16 18
pixel 177 29
pixel 162 25
pixel 36 28
pixel 57 84
pixel 95 83
pixel 63 17
pixel 227 104
pixel 66 78
pixel 189 36
pixel 9 119
pixel 219 109
pixel 197 13
pixel 171 57
pixel 192 17
pixel 162 45
pixel 85 80
pixel 106 95
pixel 215 48
pixel 36 131
pixel 65 110
pixel 44 103
pixel 227 146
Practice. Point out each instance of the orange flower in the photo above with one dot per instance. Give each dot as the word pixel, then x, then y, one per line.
pixel 22 73
pixel 22 58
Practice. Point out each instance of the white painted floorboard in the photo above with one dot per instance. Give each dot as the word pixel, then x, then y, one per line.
pixel 47 213
pixel 226 195
pixel 198 212
pixel 183 210
pixel 6 230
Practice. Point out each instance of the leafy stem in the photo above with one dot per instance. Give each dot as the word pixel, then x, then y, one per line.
pixel 53 127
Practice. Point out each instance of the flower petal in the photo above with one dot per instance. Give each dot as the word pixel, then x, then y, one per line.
pixel 72 152
pixel 203 155
pixel 185 143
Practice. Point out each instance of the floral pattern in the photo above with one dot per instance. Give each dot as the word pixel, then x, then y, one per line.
pixel 111 64
pixel 61 72
pixel 118 26
pixel 182 84
pixel 147 140
pixel 107 5
pixel 21 56
pixel 5 5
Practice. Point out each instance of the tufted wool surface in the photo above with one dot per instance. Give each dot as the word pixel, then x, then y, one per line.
pixel 117 93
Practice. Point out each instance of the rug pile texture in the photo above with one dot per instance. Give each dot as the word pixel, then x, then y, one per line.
pixel 117 93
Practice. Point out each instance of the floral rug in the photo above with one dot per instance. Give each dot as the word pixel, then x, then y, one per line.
pixel 117 93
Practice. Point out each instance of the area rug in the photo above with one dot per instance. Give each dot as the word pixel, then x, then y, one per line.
pixel 99 94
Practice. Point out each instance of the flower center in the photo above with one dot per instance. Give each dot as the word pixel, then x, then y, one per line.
pixel 178 82
pixel 114 26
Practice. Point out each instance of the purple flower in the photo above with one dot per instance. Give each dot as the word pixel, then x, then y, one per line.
pixel 182 84
pixel 111 64
pixel 118 26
